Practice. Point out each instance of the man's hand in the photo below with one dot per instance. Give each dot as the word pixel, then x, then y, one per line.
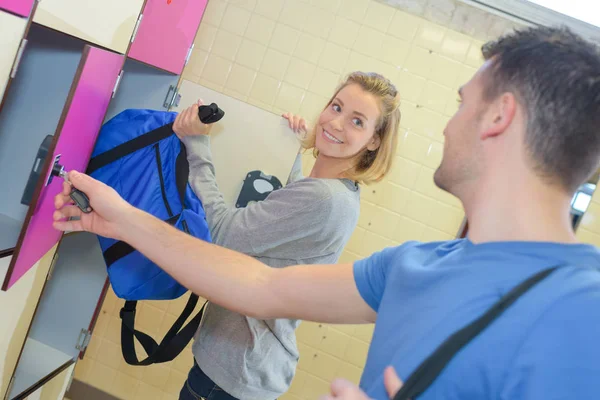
pixel 188 122
pixel 110 210
pixel 345 390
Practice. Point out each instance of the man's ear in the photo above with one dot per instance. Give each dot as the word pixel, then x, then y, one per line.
pixel 500 114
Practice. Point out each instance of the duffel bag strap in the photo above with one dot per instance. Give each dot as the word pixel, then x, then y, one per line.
pixel 172 344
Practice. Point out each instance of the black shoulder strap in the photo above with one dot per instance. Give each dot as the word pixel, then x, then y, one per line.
pixel 173 343
pixel 429 369
pixel 129 147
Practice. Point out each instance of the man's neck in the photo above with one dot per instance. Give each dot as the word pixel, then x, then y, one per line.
pixel 523 210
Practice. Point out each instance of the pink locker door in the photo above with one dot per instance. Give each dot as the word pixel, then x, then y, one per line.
pixel 73 141
pixel 19 7
pixel 166 33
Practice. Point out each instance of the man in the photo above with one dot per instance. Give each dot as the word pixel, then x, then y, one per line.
pixel 526 135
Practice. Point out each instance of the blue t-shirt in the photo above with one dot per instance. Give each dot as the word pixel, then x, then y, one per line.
pixel 545 346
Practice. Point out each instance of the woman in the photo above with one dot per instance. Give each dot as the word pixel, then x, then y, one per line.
pixel 309 221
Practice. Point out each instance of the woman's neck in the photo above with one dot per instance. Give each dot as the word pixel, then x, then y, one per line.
pixel 330 168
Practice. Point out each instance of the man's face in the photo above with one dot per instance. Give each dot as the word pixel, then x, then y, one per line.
pixel 461 160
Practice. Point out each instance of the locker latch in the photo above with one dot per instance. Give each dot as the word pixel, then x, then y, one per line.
pixel 83 340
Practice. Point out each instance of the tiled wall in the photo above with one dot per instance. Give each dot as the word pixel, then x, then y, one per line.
pixel 288 55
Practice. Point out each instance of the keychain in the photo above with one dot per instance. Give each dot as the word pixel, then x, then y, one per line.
pixel 80 198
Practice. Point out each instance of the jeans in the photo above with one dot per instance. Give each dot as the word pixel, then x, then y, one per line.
pixel 198 386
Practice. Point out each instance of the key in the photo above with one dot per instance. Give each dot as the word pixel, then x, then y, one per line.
pixel 80 198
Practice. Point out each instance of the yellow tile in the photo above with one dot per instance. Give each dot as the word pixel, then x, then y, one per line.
pixel 289 98
pixel 357 352
pixel 445 71
pixel 132 370
pixel 335 343
pixel 189 75
pixel 334 58
pixel 147 392
pixel 124 387
pixel 413 147
pixel 359 62
pixel 433 235
pixel 474 57
pixel 295 14
pixel 430 36
pixel 586 236
pixel 93 346
pixel 394 197
pixel 275 64
pixel 175 382
pixel 429 123
pixel 348 257
pixel 394 51
pixel 319 22
pixel 260 29
pixel 374 243
pixel 354 9
pixel 169 396
pixel 205 37
pixel 404 25
pixel 347 329
pixel 269 8
pixel 102 323
pixel 184 361
pixel 156 375
pixel 404 172
pixel 325 366
pixel 250 54
pixel 452 106
pixel 235 20
pixel 197 62
pixel 369 41
pixel 246 4
pixel 309 48
pixel 112 304
pixel 215 9
pixel 364 332
pixel 284 39
pixel 384 222
pixel 350 372
pixel 356 240
pixel 379 16
pixel 289 396
pixel 314 387
pixel 113 330
pixel 312 105
pixel 410 87
pixel 311 333
pixel 148 318
pixel 226 44
pixel 324 82
pixel 216 70
pixel 419 61
pixel 372 193
pixel 241 79
pixel 434 155
pixel 83 368
pixel 300 73
pixel 408 230
pixel 367 214
pixel 445 218
pixel 235 95
pixel 329 5
pixel 109 353
pixel 464 76
pixel 344 32
pixel 455 45
pixel 298 382
pixel 420 207
pixel 101 376
pixel 435 96
pixel 307 355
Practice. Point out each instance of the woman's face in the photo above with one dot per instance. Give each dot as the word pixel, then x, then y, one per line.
pixel 347 125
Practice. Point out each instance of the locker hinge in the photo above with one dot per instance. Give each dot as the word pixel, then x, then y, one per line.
pixel 189 54
pixel 13 73
pixel 137 26
pixel 52 265
pixel 173 97
pixel 11 383
pixel 83 340
pixel 117 83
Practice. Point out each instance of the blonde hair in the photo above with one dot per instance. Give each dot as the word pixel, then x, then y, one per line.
pixel 371 166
